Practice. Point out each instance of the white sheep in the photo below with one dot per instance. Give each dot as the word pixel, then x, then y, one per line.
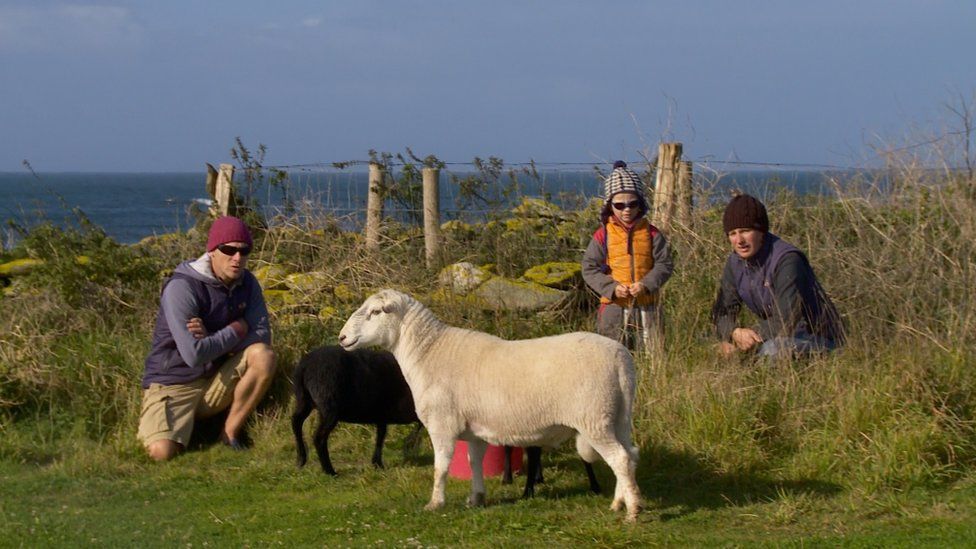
pixel 479 388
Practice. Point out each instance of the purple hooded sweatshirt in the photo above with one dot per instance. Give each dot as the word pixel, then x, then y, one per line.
pixel 177 356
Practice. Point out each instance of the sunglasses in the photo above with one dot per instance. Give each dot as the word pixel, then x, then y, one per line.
pixel 625 205
pixel 231 251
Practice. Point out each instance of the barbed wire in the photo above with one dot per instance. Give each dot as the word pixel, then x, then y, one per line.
pixel 340 166
pixel 701 161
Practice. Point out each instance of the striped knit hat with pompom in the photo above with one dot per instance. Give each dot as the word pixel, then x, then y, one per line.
pixel 622 180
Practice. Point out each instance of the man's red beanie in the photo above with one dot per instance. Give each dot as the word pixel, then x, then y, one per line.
pixel 228 229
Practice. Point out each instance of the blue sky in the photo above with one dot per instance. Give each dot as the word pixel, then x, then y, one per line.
pixel 166 86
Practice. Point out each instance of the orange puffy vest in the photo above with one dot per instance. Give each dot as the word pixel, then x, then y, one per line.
pixel 630 256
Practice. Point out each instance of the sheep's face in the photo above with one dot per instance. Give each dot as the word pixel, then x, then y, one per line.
pixel 376 322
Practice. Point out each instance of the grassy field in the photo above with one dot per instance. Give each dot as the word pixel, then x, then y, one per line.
pixel 874 445
pixel 215 497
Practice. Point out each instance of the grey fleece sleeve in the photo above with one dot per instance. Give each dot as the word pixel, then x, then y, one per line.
pixel 179 306
pixel 663 265
pixel 725 310
pixel 256 316
pixel 593 264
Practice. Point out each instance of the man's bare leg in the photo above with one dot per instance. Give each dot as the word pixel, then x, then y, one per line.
pixel 250 389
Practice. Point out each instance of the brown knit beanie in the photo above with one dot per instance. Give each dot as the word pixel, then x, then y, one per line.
pixel 745 212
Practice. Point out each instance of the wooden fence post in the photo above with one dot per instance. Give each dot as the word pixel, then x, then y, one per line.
pixel 223 191
pixel 668 161
pixel 374 206
pixel 432 214
pixel 684 194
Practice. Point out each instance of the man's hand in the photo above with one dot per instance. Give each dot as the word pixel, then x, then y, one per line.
pixel 196 328
pixel 621 291
pixel 745 338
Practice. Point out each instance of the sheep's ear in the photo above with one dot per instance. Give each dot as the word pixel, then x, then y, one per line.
pixel 389 307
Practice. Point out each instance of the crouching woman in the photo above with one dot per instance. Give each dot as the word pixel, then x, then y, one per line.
pixel 776 283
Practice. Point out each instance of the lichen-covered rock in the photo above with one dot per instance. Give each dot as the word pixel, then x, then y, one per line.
pixel 19 267
pixel 462 278
pixel 272 277
pixel 456 226
pixel 328 312
pixel 501 293
pixel 563 275
pixel 537 207
pixel 279 300
pixel 161 239
pixel 308 283
pixel 344 293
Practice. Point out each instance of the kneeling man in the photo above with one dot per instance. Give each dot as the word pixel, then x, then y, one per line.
pixel 776 283
pixel 211 346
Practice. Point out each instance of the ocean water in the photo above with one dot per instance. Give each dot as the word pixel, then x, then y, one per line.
pixel 131 206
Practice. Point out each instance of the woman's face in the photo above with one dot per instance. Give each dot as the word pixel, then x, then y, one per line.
pixel 626 206
pixel 746 242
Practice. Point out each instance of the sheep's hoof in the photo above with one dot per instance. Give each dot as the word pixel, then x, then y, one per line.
pixel 433 506
pixel 476 500
pixel 617 505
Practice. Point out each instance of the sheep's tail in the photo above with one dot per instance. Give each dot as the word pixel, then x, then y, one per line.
pixel 627 389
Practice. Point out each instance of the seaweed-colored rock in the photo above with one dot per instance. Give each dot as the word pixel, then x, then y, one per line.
pixel 328 312
pixel 537 207
pixel 344 293
pixel 272 277
pixel 563 275
pixel 19 267
pixel 501 293
pixel 462 277
pixel 279 300
pixel 308 283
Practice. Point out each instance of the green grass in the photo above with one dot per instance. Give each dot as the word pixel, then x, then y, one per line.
pixel 215 497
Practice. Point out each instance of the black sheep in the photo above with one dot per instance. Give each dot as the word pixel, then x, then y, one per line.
pixel 533 473
pixel 361 386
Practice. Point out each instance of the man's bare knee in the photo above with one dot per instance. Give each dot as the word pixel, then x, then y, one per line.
pixel 261 361
pixel 163 450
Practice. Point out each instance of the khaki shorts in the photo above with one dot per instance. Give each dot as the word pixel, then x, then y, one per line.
pixel 168 411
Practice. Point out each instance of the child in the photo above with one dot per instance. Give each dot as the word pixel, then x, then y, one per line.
pixel 627 262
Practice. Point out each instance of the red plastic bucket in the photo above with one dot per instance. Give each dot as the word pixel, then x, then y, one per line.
pixel 493 465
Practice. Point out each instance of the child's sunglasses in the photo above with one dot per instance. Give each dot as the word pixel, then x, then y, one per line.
pixel 624 205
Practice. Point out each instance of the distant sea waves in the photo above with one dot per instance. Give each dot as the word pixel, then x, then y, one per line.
pixel 131 206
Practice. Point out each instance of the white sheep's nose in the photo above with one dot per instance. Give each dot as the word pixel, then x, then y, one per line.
pixel 342 338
